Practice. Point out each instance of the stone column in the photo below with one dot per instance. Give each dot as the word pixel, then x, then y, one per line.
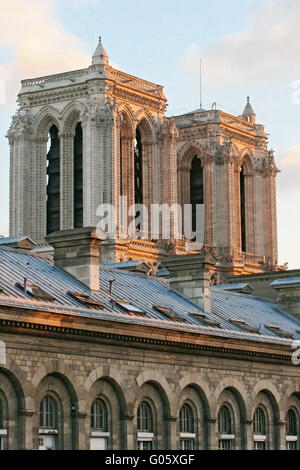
pixel 212 435
pixel 26 430
pixel 128 430
pixel 209 200
pixel 66 181
pixel 171 423
pixel 224 191
pixel 279 435
pixel 39 189
pixel 22 164
pixel 81 425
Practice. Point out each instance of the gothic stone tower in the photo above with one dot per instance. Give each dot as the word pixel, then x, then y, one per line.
pixel 236 172
pixel 84 138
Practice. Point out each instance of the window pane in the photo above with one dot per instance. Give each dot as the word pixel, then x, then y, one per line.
pixel 144 418
pixel 259 422
pixel 48 412
pixel 225 444
pixel 186 419
pixel 187 444
pixel 225 421
pixel 99 415
pixel 291 423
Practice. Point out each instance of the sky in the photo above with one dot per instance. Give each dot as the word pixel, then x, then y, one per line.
pixel 248 48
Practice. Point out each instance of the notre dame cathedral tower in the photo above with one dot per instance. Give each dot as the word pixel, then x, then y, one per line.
pixel 87 137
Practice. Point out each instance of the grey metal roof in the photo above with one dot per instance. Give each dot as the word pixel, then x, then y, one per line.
pixel 8 240
pixel 142 292
pixel 236 286
pixel 287 281
pixel 125 264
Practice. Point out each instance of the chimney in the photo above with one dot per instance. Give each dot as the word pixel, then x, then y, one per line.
pixel 288 295
pixel 190 275
pixel 77 252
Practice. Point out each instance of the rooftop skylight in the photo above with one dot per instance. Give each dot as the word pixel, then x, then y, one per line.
pixel 35 292
pixel 205 320
pixel 86 300
pixel 131 309
pixel 279 331
pixel 169 313
pixel 245 326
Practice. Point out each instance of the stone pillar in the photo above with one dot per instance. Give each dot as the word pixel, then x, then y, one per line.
pixel 271 248
pixel 128 430
pixel 39 189
pixel 209 200
pixel 22 164
pixel 248 435
pixel 212 435
pixel 66 181
pixel 171 423
pixel 279 435
pixel 26 428
pixel 190 275
pixel 81 426
pixel 77 252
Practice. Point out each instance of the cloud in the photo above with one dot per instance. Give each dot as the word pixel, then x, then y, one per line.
pixel 36 42
pixel 266 51
pixel 289 163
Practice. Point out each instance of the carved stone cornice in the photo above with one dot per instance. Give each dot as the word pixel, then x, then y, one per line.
pixel 57 94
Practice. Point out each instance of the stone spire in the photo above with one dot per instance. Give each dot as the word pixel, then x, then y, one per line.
pixel 249 112
pixel 100 55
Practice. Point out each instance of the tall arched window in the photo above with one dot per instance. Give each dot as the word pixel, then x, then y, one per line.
pixel 145 433
pixel 53 181
pixel 243 210
pixel 259 429
pixel 196 188
pixel 78 178
pixel 3 429
pixel 187 427
pixel 226 428
pixel 99 415
pixel 99 425
pixel 48 423
pixel 138 169
pixel 291 430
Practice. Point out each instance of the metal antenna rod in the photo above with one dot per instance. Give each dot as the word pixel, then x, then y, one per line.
pixel 200 83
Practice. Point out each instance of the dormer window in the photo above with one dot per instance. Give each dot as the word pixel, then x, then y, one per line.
pixel 130 309
pixel 35 292
pixel 244 326
pixel 169 313
pixel 86 300
pixel 205 320
pixel 279 331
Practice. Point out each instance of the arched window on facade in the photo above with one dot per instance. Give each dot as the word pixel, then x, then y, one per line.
pixel 226 428
pixel 99 425
pixel 243 210
pixel 53 181
pixel 291 430
pixel 138 168
pixel 3 428
pixel 145 429
pixel 48 417
pixel 259 429
pixel 187 427
pixel 196 188
pixel 78 178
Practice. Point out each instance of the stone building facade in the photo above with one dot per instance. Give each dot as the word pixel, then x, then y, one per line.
pixel 166 370
pixel 84 138
pixel 136 364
